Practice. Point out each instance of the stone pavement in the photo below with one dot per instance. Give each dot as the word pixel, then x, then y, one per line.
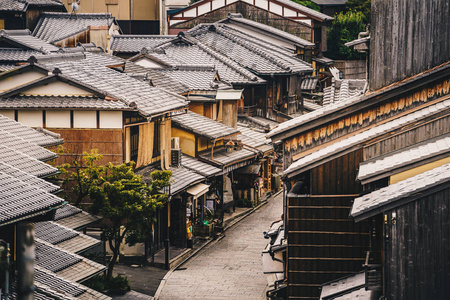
pixel 229 268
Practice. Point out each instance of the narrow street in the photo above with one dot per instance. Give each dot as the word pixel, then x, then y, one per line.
pixel 230 268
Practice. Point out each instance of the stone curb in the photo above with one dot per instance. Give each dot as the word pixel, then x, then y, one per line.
pixel 211 242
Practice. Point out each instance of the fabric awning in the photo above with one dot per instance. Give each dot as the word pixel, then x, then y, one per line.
pixel 229 94
pixel 198 190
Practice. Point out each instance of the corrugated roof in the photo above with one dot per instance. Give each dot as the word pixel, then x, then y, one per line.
pixel 135 43
pixel 403 157
pixel 54 27
pixel 306 162
pixel 199 167
pixel 402 189
pixel 203 126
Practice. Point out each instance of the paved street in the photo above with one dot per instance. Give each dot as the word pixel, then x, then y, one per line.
pixel 230 268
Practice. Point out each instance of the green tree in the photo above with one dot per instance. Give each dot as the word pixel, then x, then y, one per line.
pixel 127 203
pixel 308 3
pixel 361 6
pixel 345 28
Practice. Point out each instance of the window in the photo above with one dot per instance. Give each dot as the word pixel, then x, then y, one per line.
pixel 134 142
pixel 156 140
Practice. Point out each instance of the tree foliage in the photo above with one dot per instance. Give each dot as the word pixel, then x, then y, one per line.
pixel 362 6
pixel 308 3
pixel 345 28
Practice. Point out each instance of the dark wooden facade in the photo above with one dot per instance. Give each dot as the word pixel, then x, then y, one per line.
pixel 324 244
pixel 249 12
pixel 407 37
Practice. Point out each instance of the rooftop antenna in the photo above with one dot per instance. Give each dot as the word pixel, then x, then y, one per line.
pixel 75 7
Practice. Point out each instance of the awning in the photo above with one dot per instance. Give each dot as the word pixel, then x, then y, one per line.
pixel 198 190
pixel 250 169
pixel 229 94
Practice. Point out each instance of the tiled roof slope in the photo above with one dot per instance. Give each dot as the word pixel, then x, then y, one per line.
pixel 135 43
pixel 46 279
pixel 197 78
pixel 54 27
pixel 199 167
pixel 182 179
pixel 12 5
pixel 402 189
pixel 316 14
pixel 28 178
pixel 158 78
pixel 65 264
pixel 195 52
pixel 66 238
pixel 342 90
pixel 404 157
pixel 255 138
pixel 19 144
pixel 41 137
pixel 19 199
pixel 252 53
pixel 74 218
pixel 14 56
pixel 45 2
pixel 23 38
pixel 203 126
pixel 224 158
pixel 68 102
pixel 238 19
pixel 25 162
pixel 309 160
pixel 149 100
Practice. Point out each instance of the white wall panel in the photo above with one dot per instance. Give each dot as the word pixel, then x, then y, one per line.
pixel 148 63
pixel 190 12
pixel 262 4
pixel 57 88
pixel 19 79
pixel 275 8
pixel 31 118
pixel 110 119
pixel 57 119
pixel 7 113
pixel 203 9
pixel 217 4
pixel 289 12
pixel 85 119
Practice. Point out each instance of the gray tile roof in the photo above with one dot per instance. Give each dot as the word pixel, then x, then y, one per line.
pixel 20 199
pixel 54 27
pixel 203 126
pixel 329 2
pixel 68 102
pixel 7 67
pixel 40 293
pixel 309 83
pixel 12 5
pixel 45 2
pixel 16 55
pixel 74 218
pixel 309 11
pixel 197 78
pixel 254 137
pixel 306 162
pixel 19 144
pixel 65 264
pixel 158 78
pixel 267 30
pixel 342 90
pixel 183 178
pixel 389 163
pixel 41 137
pixel 310 105
pixel 387 196
pixel 194 52
pixel 135 43
pixel 223 158
pixel 25 162
pixel 23 39
pixel 149 100
pixel 46 279
pixel 66 238
pixel 199 167
pixel 28 178
pixel 258 122
pixel 252 53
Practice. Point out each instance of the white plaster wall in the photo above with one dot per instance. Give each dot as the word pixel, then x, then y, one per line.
pixel 192 12
pixel 31 118
pixel 57 119
pixel 144 62
pixel 289 12
pixel 249 1
pixel 19 79
pixel 57 88
pixel 203 9
pixel 218 3
pixel 85 119
pixel 262 4
pixel 7 113
pixel 110 119
pixel 275 8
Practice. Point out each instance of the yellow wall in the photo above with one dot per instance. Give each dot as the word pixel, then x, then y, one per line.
pixel 187 141
pixel 415 171
pixel 203 144
pixel 142 9
pixel 197 108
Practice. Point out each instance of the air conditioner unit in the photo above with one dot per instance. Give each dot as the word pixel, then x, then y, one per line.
pixel 175 158
pixel 175 143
